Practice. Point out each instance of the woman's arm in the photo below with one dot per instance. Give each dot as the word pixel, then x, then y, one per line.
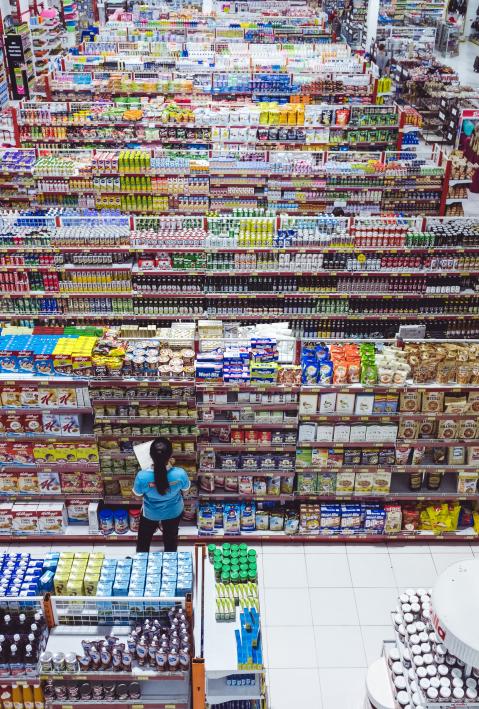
pixel 138 489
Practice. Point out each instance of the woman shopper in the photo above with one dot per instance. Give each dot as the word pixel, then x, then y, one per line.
pixel 160 487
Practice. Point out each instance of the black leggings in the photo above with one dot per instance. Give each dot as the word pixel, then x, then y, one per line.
pixel 148 527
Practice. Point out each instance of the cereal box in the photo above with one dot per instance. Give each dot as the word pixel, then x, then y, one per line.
pixel 52 518
pixel 6 517
pixel 44 453
pixel 21 453
pixel 71 483
pixel 92 484
pixel 51 424
pixel 32 423
pixel 13 423
pixel 27 482
pixel 344 482
pixel 49 482
pixel 86 452
pixel 10 396
pixel 25 518
pixel 67 396
pixel 48 397
pixel 29 396
pixel 70 424
pixel 8 482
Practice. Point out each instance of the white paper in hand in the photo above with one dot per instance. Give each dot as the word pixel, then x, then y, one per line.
pixel 142 452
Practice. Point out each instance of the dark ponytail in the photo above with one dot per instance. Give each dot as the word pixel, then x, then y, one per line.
pixel 160 451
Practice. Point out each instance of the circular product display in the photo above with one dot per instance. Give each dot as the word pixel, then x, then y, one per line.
pixel 378 686
pixel 455 602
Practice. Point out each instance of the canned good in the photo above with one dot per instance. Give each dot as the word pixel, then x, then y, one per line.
pixel 71 662
pixel 59 662
pixel 46 662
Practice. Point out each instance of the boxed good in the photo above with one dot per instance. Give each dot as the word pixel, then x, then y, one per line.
pixel 19 452
pixel 410 401
pixel 324 432
pixel 326 483
pixel 381 481
pixel 330 520
pixel 51 424
pixel 308 404
pixel 70 424
pixel 456 455
pixel 467 482
pixel 49 482
pixel 307 483
pixel 327 403
pixel 6 517
pixel 364 404
pixel 350 517
pixel 28 482
pixel 13 423
pixel 32 423
pixel 344 482
pixel 306 432
pixel 11 396
pixel 364 482
pixel 25 518
pixel 432 401
pixel 47 397
pixel 341 433
pixel 8 482
pixel 374 520
pixel 358 433
pixel 52 518
pixel 71 482
pixel 345 404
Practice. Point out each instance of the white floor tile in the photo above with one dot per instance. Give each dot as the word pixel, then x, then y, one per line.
pixel 373 636
pixel 333 606
pixel 328 570
pixel 284 572
pixel 294 688
pixel 367 549
pixel 336 548
pixel 339 646
pixel 412 548
pixel 287 606
pixel 375 605
pixel 463 549
pixel 415 570
pixel 291 648
pixel 442 561
pixel 343 688
pixel 371 571
pixel 269 549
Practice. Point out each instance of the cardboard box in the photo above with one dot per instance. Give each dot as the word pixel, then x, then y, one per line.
pixel 345 404
pixel 342 433
pixel 324 432
pixel 27 482
pixel 327 403
pixel 8 482
pixel 52 518
pixel 308 404
pixel 6 517
pixel 25 518
pixel 49 482
pixel 344 482
pixel 364 404
pixel 364 482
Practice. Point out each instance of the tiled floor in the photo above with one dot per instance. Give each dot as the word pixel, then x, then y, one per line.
pixel 463 63
pixel 325 612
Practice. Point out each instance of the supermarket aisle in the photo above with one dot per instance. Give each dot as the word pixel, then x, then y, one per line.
pixel 463 63
pixel 325 611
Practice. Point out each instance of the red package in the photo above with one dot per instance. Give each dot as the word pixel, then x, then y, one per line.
pixel 13 423
pixel 238 436
pixel 32 423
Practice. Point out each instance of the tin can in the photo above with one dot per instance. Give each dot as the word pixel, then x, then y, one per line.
pixel 71 662
pixel 46 662
pixel 59 662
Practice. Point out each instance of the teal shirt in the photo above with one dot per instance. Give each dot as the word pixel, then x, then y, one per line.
pixel 155 506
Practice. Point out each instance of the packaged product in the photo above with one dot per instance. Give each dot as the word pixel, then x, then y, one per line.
pixel 287 485
pixel 447 428
pixel 207 483
pixel 206 518
pixel 374 520
pixel 262 520
pixel 393 519
pixel 467 482
pixel 456 455
pixel 408 429
pixel 364 482
pixel 473 401
pixel 307 432
pixel 245 484
pixel 330 520
pixel 232 518
pixel 248 512
pixel 308 404
pixel 432 401
pixel 326 483
pixel 350 517
pixel 327 403
pixel 276 521
pixel 473 455
pixel 455 404
pixel 381 481
pixel 307 483
pixel 410 519
pixel 219 512
pixel 402 455
pixel 260 486
pixel 309 519
pixel 304 457
pixel 418 455
pixel 345 482
pixel 440 518
pixel 364 404
pixel 410 401
pixel 291 522
pixel 274 485
pixel 8 482
pixel 219 482
pixel 466 516
pixel 467 428
pixel 427 427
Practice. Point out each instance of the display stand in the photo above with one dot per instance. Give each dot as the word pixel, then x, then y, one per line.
pixel 455 604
